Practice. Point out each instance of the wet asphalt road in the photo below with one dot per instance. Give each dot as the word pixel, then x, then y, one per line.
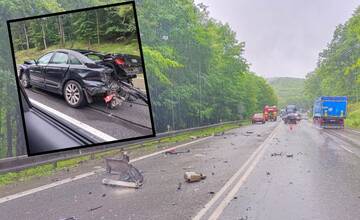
pixel 321 180
pixel 127 121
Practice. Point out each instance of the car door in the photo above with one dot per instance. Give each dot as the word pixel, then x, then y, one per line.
pixel 37 70
pixel 55 72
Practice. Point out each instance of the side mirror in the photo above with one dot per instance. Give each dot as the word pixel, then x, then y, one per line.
pixel 30 62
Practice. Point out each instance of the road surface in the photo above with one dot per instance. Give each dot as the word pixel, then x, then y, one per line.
pixel 254 172
pixel 127 121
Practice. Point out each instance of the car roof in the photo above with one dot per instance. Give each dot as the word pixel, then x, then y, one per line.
pixel 76 54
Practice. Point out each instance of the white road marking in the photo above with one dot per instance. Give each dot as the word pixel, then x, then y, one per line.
pixel 44 187
pixel 68 180
pixel 75 122
pixel 254 157
pixel 358 132
pixel 348 150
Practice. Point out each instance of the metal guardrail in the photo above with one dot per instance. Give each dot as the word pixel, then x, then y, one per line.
pixel 23 162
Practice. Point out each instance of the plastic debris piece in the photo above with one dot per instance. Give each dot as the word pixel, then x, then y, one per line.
pixel 193 177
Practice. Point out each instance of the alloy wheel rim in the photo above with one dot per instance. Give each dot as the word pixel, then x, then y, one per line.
pixel 72 94
pixel 24 80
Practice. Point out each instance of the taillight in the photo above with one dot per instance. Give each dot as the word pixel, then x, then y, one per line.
pixel 119 61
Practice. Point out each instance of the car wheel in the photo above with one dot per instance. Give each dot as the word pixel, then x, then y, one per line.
pixel 74 94
pixel 25 80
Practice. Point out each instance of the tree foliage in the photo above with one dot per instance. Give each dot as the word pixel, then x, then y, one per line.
pixel 338 69
pixel 195 66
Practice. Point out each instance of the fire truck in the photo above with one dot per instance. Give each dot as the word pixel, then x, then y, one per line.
pixel 270 113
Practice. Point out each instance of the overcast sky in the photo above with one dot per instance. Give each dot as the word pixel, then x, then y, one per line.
pixel 283 37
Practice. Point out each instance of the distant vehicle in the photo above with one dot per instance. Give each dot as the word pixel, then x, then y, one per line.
pixel 330 111
pixel 258 117
pixel 290 116
pixel 270 113
pixel 126 66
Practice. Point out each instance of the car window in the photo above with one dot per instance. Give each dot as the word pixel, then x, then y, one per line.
pixel 59 58
pixel 45 59
pixel 94 57
pixel 74 60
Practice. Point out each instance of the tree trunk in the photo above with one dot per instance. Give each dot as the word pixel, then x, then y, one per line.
pixel 43 34
pixel 9 134
pixel 61 31
pixel 26 36
pixel 97 27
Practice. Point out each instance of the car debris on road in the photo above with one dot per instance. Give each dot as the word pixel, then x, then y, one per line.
pixel 127 175
pixel 193 177
pixel 175 152
pixel 276 154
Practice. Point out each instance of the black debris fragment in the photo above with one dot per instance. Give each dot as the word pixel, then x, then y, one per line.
pixel 212 173
pixel 248 208
pixel 289 155
pixel 93 209
pixel 259 135
pixel 290 183
pixel 225 161
pixel 267 173
pixel 175 152
pixel 179 186
pixel 90 193
pixel 211 193
pixel 103 195
pixel 249 132
pixel 69 218
pixel 235 197
pixel 276 154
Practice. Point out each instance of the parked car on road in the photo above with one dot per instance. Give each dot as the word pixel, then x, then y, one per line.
pixel 258 117
pixel 68 73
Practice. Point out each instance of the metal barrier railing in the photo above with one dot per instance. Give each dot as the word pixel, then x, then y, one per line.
pixel 23 162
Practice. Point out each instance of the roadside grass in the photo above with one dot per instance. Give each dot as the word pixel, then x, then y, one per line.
pixel 353 119
pixel 130 47
pixel 51 168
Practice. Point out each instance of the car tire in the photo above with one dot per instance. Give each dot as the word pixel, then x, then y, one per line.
pixel 73 94
pixel 25 80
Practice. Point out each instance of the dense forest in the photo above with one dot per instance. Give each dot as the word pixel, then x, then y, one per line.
pixel 338 67
pixel 197 73
pixel 115 24
pixel 290 90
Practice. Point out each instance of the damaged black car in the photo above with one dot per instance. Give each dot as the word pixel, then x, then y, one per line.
pixel 126 66
pixel 68 73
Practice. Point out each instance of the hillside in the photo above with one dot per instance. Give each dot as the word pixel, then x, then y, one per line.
pixel 289 91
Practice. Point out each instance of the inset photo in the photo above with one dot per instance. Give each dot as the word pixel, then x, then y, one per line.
pixel 81 78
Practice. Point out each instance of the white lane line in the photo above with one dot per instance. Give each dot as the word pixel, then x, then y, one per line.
pixel 75 122
pixel 206 208
pixel 224 203
pixel 44 187
pixel 351 130
pixel 348 150
pixel 68 180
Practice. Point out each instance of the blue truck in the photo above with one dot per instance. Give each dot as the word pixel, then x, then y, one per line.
pixel 330 111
